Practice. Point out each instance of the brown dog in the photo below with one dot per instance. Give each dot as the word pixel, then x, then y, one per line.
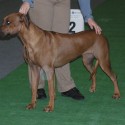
pixel 48 50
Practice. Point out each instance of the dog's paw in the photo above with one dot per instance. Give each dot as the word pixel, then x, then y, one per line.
pixel 48 109
pixel 31 106
pixel 116 96
pixel 92 89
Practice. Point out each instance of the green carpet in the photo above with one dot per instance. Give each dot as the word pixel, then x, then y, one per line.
pixel 98 108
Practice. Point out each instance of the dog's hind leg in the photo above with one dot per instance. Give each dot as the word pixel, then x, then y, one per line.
pixel 88 60
pixel 106 67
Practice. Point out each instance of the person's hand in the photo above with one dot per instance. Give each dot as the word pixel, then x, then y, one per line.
pixel 94 25
pixel 24 8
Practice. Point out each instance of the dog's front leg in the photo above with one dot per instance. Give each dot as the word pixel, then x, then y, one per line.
pixel 50 77
pixel 35 76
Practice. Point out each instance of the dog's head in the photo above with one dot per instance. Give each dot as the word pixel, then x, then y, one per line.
pixel 12 24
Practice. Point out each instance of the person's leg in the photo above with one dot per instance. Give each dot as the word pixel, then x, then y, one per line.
pixel 61 20
pixel 42 14
pixel 64 80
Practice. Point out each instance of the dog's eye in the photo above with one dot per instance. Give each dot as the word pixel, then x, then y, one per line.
pixel 7 23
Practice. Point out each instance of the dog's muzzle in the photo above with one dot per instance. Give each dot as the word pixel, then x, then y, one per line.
pixel 1 33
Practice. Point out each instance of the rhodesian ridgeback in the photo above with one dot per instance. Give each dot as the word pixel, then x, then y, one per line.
pixel 49 50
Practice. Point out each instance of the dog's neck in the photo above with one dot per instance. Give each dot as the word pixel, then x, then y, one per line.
pixel 27 34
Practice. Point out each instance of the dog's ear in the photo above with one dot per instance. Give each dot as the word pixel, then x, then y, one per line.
pixel 25 19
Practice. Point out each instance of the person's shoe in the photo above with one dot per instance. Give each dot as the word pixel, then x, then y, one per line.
pixel 41 94
pixel 73 93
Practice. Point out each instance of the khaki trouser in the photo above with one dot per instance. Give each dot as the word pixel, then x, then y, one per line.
pixel 54 15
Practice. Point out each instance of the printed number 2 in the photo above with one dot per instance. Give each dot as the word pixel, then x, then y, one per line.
pixel 72 26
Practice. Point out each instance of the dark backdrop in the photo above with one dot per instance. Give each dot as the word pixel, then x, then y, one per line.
pixel 94 3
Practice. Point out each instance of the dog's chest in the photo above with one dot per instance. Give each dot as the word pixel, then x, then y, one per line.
pixel 29 55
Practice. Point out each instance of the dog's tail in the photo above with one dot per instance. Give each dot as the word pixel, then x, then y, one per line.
pixel 94 69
